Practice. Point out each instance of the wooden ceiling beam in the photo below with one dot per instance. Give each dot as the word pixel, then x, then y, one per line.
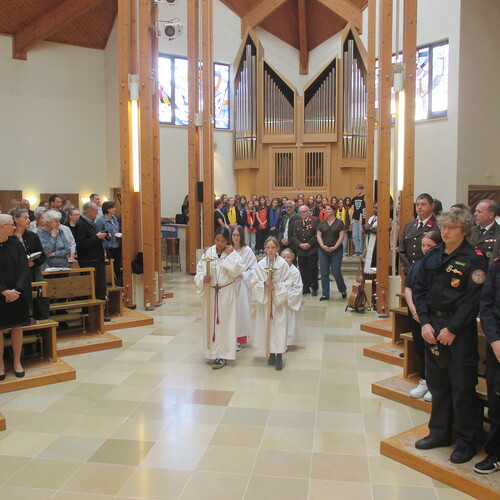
pixel 259 13
pixel 48 24
pixel 346 10
pixel 304 51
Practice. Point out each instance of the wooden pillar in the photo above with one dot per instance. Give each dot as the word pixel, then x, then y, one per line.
pixel 384 157
pixel 410 60
pixel 193 231
pixel 127 191
pixel 208 130
pixel 370 83
pixel 146 141
pixel 155 105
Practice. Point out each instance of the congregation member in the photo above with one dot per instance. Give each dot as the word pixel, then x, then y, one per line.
pixel 56 246
pixel 220 320
pixel 305 241
pixel 14 205
pixel 486 232
pixel 219 217
pixel 294 316
pixel 15 293
pixel 343 214
pixel 31 243
pixel 242 284
pixel 112 244
pixel 312 206
pixel 330 234
pixel 271 296
pixel 38 222
pixel 72 219
pixel 286 227
pixel 232 214
pixel 431 239
pixel 358 220
pixel 55 203
pixel 489 312
pixel 410 244
pixel 323 204
pixel 274 216
pixel 90 250
pixel 95 198
pixel 446 295
pixel 250 223
pixel 27 206
pixel 262 224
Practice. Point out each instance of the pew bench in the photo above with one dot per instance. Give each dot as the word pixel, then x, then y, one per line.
pixel 115 293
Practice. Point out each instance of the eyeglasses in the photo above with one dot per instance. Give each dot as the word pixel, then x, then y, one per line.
pixel 450 228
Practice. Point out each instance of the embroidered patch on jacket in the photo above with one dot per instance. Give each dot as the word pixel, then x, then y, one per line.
pixel 455 282
pixel 478 276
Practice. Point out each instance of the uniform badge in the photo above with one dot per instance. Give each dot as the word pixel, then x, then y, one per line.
pixel 455 282
pixel 449 268
pixel 478 276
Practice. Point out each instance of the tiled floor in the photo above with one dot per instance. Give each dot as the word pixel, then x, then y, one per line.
pixel 152 420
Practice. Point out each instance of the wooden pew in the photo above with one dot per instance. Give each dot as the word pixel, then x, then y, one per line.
pixel 72 295
pixel 115 293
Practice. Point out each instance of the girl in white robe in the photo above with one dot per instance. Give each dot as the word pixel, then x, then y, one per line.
pixel 294 315
pixel 278 289
pixel 219 305
pixel 242 283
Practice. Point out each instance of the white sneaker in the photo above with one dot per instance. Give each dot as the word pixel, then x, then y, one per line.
pixel 428 397
pixel 420 390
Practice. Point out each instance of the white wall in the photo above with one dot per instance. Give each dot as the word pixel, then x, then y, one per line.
pixel 53 120
pixel 478 130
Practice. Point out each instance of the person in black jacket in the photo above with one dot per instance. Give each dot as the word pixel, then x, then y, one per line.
pixel 89 248
pixel 446 295
pixel 489 309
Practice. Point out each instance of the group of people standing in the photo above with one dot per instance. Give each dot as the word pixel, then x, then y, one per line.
pixel 445 260
pixel 228 276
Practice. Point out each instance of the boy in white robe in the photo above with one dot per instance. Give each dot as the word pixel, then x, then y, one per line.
pixel 219 305
pixel 294 315
pixel 278 289
pixel 242 283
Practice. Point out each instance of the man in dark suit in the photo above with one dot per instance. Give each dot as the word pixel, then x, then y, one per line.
pixel 89 248
pixel 286 227
pixel 305 241
pixel 487 231
pixel 410 245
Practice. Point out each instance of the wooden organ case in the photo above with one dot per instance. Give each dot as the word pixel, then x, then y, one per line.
pixel 287 143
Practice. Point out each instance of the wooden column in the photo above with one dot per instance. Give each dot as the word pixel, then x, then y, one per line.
pixel 208 130
pixel 384 157
pixel 370 84
pixel 193 231
pixel 146 141
pixel 155 105
pixel 410 60
pixel 127 190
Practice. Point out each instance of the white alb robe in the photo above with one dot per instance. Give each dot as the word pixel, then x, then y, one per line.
pixel 294 315
pixel 221 317
pixel 244 293
pixel 282 281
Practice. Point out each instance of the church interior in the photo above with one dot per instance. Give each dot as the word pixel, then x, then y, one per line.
pixel 290 96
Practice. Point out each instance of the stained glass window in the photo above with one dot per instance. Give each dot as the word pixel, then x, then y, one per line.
pixel 173 90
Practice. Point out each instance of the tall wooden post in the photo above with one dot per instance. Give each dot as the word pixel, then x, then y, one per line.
pixel 410 60
pixel 384 157
pixel 193 231
pixel 208 131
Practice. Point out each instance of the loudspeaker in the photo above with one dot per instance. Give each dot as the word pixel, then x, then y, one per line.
pixel 199 191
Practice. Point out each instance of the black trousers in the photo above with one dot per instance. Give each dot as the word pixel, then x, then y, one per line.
pixel 308 267
pixel 99 276
pixel 453 387
pixel 492 445
pixel 418 344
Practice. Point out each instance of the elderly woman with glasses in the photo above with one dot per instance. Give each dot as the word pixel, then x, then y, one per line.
pixel 56 246
pixel 446 295
pixel 15 292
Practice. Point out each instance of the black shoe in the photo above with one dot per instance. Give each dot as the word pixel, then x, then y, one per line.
pixel 344 295
pixel 461 454
pixel 323 298
pixel 314 293
pixel 429 442
pixel 488 465
pixel 279 362
pixel 305 292
pixel 2 377
pixel 271 361
pixel 19 374
pixel 107 318
pixel 218 364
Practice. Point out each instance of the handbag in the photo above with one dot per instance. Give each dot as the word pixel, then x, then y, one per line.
pixel 41 306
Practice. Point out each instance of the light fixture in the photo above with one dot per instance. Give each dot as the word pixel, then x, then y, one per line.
pixel 133 88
